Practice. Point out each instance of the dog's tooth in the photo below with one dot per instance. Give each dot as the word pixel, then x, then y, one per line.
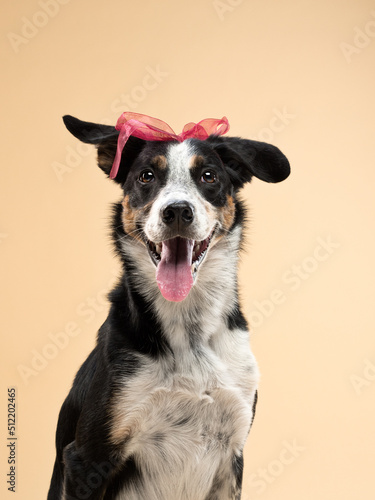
pixel 197 247
pixel 158 248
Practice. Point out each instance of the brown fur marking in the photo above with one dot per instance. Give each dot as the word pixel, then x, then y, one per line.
pixel 106 154
pixel 196 161
pixel 227 213
pixel 130 217
pixel 159 161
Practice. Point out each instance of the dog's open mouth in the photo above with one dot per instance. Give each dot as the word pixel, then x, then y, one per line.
pixel 177 261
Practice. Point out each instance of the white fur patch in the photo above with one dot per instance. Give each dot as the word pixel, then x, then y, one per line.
pixel 209 382
pixel 179 187
pixel 184 416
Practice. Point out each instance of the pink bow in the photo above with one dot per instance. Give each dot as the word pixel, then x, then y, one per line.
pixel 153 129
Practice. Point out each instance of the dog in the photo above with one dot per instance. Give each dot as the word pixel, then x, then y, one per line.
pixel 162 407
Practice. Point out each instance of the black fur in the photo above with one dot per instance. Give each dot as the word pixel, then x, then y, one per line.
pixel 246 158
pixel 87 463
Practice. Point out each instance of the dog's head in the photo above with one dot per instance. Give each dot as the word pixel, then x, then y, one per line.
pixel 180 198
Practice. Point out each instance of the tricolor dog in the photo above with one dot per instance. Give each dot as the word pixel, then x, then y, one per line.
pixel 161 408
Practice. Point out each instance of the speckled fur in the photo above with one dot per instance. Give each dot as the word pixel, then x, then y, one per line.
pixel 161 408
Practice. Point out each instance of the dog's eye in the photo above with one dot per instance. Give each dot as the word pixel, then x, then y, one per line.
pixel 208 177
pixel 146 177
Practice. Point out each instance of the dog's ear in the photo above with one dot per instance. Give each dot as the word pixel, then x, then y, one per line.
pixel 244 158
pixel 104 137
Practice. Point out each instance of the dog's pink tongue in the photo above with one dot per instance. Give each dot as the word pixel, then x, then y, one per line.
pixel 173 274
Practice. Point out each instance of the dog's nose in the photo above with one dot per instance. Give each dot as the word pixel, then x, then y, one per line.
pixel 178 214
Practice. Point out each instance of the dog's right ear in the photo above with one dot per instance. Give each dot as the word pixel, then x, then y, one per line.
pixel 104 137
pixel 245 158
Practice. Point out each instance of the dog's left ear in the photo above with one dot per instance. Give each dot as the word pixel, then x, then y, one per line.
pixel 104 137
pixel 244 158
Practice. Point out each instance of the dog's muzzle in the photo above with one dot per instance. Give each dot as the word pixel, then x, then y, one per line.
pixel 178 215
pixel 177 258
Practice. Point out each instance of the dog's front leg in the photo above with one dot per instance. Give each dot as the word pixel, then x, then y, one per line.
pixel 84 479
pixel 228 481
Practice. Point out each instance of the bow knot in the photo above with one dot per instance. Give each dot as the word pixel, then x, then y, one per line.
pixel 152 129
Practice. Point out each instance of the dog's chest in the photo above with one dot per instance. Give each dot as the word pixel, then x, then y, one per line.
pixel 184 419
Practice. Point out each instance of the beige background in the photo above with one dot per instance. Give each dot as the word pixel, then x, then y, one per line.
pixel 281 72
